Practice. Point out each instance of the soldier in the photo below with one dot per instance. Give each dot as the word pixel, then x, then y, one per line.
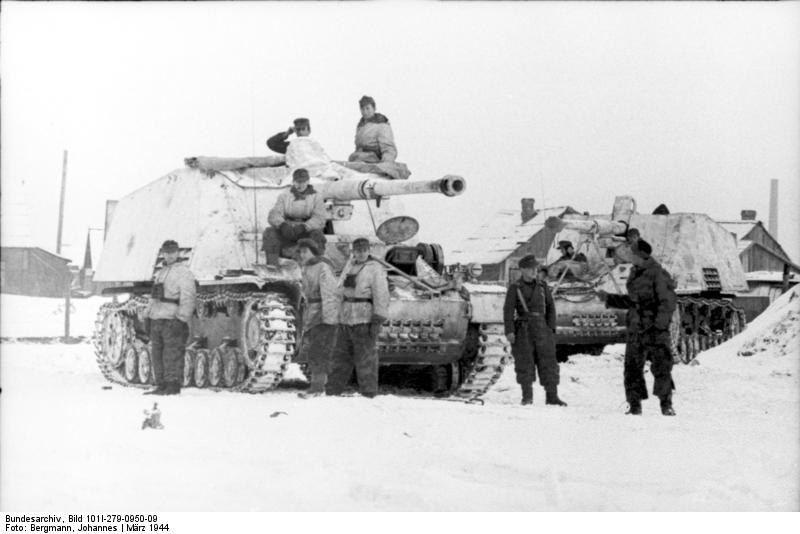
pixel 172 304
pixel 529 314
pixel 278 142
pixel 321 315
pixel 651 300
pixel 298 212
pixel 365 306
pixel 568 252
pixel 374 137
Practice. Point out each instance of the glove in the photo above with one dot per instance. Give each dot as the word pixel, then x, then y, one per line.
pixel 286 230
pixel 602 295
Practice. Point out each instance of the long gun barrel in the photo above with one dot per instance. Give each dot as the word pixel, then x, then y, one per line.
pixel 599 227
pixel 450 186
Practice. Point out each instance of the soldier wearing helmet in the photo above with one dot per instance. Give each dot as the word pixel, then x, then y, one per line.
pixel 529 314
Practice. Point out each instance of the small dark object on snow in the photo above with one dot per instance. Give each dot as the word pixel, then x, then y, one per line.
pixel 106 387
pixel 153 419
pixel 406 434
pixel 276 414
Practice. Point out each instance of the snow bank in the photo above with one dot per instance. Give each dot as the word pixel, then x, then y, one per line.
pixel 773 334
pixel 22 316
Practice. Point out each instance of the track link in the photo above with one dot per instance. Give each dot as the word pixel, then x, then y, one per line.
pixel 701 323
pixel 491 353
pixel 255 363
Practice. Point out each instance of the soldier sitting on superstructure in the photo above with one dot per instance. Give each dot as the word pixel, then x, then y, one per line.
pixel 298 213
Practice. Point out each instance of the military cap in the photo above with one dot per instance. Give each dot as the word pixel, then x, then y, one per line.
pixel 564 244
pixel 300 175
pixel 528 262
pixel 302 123
pixel 642 248
pixel 310 244
pixel 361 243
pixel 169 246
pixel 366 100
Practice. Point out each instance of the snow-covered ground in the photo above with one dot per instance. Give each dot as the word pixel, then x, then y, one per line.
pixel 68 442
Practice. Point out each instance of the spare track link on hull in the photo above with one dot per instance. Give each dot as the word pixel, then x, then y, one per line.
pixel 701 323
pixel 493 352
pixel 256 364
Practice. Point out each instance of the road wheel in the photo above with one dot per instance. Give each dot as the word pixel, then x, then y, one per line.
pixel 188 367
pixel 131 364
pixel 146 375
pixel 201 368
pixel 230 366
pixel 215 367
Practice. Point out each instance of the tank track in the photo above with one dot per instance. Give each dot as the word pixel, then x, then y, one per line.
pixel 701 323
pixel 253 363
pixel 485 356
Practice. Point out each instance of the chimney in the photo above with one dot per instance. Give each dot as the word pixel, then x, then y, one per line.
pixel 528 212
pixel 772 228
pixel 748 215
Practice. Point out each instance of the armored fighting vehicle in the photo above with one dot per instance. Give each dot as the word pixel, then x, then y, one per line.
pixel 699 254
pixel 248 322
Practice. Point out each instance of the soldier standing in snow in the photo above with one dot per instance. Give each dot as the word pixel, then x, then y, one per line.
pixel 321 315
pixel 529 314
pixel 374 137
pixel 278 142
pixel 298 212
pixel 172 304
pixel 365 306
pixel 651 301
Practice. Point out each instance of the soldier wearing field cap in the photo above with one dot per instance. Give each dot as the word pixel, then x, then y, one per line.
pixel 650 301
pixel 529 314
pixel 321 313
pixel 365 306
pixel 278 142
pixel 298 213
pixel 172 304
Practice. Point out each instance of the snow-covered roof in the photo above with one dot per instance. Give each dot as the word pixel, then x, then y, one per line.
pixel 500 235
pixel 770 276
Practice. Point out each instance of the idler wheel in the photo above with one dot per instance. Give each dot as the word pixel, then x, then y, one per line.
pixel 131 364
pixel 146 375
pixel 201 368
pixel 215 367
pixel 188 367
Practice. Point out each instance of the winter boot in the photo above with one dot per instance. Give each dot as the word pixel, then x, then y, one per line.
pixel 551 397
pixel 272 260
pixel 527 394
pixel 634 406
pixel 666 405
pixel 158 390
pixel 172 388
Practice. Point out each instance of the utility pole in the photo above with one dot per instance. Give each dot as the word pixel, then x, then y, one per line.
pixel 61 203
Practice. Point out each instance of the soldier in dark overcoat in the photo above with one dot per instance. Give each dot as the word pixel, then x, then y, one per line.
pixel 529 314
pixel 651 301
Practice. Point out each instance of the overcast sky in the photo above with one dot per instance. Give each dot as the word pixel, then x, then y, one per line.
pixel 695 105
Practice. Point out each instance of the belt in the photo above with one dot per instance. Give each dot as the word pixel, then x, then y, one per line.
pixel 314 300
pixel 296 219
pixel 171 301
pixel 358 299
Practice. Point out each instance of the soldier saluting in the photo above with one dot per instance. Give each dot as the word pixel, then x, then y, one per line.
pixel 172 304
pixel 529 314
